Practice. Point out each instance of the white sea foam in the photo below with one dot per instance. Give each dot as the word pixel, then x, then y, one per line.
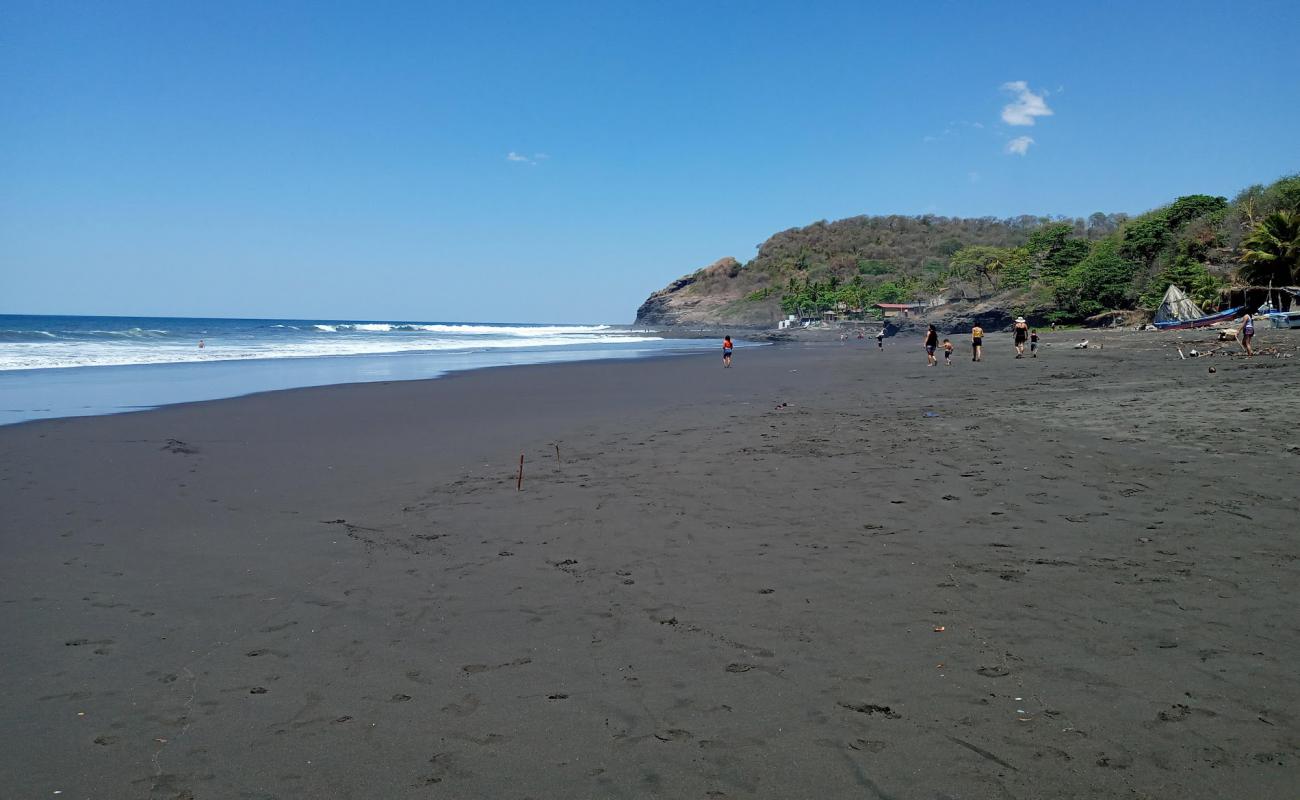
pixel 57 354
pixel 132 333
pixel 461 330
pixel 23 333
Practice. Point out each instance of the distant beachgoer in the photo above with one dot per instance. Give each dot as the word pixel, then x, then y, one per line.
pixel 947 352
pixel 880 339
pixel 977 343
pixel 726 352
pixel 1033 344
pixel 1247 333
pixel 931 344
pixel 844 337
pixel 1053 327
pixel 861 335
pixel 201 345
pixel 1022 336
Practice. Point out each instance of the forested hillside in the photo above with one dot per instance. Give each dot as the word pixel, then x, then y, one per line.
pixel 1059 268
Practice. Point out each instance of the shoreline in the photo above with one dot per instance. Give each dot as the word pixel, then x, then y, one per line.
pixel 127 386
pixel 1056 585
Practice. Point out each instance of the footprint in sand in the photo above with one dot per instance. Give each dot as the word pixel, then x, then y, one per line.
pixel 673 735
pixel 83 642
pixel 871 709
pixel 467 705
pixel 473 669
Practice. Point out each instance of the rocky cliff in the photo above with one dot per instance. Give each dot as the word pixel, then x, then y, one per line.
pixel 714 295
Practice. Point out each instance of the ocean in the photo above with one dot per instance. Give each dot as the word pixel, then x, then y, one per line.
pixel 60 366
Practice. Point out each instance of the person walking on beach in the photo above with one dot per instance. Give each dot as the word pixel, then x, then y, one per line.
pixel 726 352
pixel 947 352
pixel 1033 344
pixel 977 343
pixel 1022 336
pixel 880 338
pixel 1247 333
pixel 931 344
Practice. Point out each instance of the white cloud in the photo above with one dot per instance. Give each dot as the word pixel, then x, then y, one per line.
pixel 1019 145
pixel 1026 106
pixel 520 158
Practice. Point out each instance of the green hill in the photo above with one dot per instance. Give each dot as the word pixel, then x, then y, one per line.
pixel 1057 268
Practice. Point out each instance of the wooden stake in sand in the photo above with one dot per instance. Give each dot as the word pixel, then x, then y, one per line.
pixel 519 484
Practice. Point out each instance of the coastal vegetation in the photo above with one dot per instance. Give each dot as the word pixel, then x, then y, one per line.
pixel 1056 268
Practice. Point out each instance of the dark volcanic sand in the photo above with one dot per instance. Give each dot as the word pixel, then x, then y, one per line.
pixel 1076 581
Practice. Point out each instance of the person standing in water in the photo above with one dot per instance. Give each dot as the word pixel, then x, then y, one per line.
pixel 726 352
pixel 931 344
pixel 977 343
pixel 1247 333
pixel 1022 336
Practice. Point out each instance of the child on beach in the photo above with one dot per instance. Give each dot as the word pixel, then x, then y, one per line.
pixel 947 352
pixel 726 352
pixel 1247 333
pixel 931 343
pixel 1033 344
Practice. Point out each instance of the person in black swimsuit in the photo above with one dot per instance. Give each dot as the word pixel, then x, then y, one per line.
pixel 931 344
pixel 1022 336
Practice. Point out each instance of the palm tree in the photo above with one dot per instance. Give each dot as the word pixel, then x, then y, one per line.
pixel 991 268
pixel 1272 251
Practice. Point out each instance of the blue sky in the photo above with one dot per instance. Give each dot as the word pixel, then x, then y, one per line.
pixel 559 161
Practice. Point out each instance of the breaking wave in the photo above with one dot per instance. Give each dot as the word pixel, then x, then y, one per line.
pixel 84 345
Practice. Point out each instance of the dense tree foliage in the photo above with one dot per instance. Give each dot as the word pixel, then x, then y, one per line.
pixel 1081 266
pixel 1271 254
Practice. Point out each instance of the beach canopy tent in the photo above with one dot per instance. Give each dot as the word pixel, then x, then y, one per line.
pixel 1177 307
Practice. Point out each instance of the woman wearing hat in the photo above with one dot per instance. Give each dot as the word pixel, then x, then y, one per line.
pixel 1022 336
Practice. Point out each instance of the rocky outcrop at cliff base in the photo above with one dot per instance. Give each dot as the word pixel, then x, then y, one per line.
pixel 712 296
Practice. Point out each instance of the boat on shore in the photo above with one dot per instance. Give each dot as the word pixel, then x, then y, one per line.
pixel 1277 317
pixel 1179 312
pixel 1201 322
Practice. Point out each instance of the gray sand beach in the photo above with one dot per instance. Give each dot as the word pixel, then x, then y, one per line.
pixel 827 572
